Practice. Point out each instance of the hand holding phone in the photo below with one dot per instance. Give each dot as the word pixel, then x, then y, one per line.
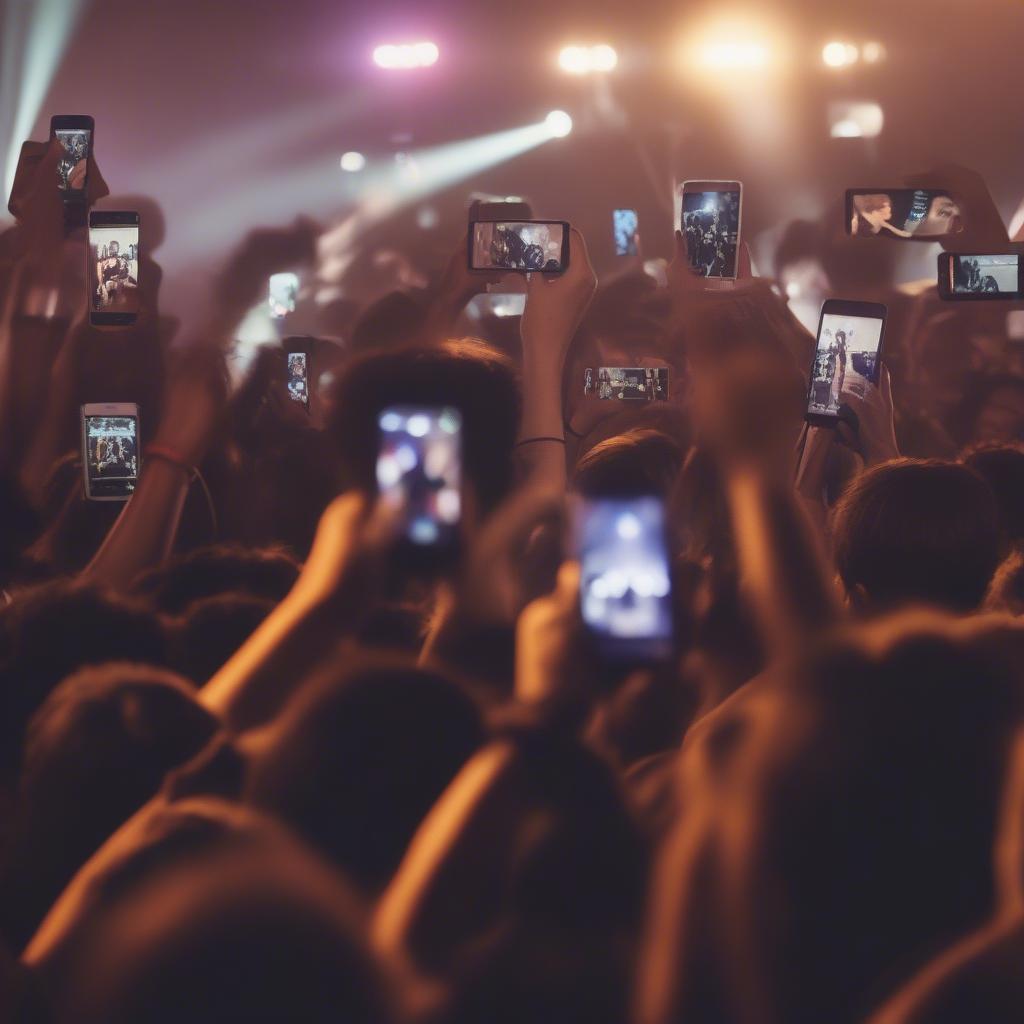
pixel 111 460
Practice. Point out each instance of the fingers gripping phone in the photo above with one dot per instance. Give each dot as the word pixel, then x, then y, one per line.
pixel 847 355
pixel 524 246
pixel 419 473
pixel 75 133
pixel 113 267
pixel 625 579
pixel 710 222
pixel 110 450
pixel 968 277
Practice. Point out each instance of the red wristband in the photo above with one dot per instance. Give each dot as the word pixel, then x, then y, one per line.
pixel 158 451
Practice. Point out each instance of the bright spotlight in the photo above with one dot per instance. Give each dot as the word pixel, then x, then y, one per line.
pixel 403 56
pixel 839 55
pixel 558 124
pixel 731 56
pixel 855 120
pixel 352 161
pixel 582 60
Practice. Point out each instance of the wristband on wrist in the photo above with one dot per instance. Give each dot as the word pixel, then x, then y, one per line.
pixel 164 454
pixel 534 440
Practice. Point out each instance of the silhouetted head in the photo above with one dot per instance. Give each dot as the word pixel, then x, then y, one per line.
pixel 1002 467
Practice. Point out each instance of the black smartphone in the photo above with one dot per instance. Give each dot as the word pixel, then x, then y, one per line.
pixel 847 355
pixel 625 224
pixel 419 473
pixel 910 213
pixel 297 360
pixel 639 383
pixel 75 133
pixel 110 450
pixel 522 246
pixel 113 267
pixel 625 577
pixel 968 277
pixel 710 223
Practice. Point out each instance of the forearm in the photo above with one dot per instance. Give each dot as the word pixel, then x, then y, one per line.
pixel 542 456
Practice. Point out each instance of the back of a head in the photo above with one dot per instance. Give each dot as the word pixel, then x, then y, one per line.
pixel 917 531
pixel 467 374
pixel 387 324
pixel 1002 467
pixel 637 461
pixel 263 572
pixel 269 936
pixel 95 752
pixel 51 631
pixel 359 758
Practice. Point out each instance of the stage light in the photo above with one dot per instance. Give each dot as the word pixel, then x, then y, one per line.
pixel 855 120
pixel 403 56
pixel 873 52
pixel 582 60
pixel 558 124
pixel 352 161
pixel 748 55
pixel 839 55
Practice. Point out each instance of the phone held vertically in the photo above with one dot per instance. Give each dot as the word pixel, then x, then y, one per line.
pixel 283 291
pixel 625 224
pixel 298 353
pixel 847 356
pixel 625 576
pixel 970 277
pixel 710 221
pixel 522 247
pixel 74 132
pixel 111 460
pixel 637 383
pixel 113 268
pixel 920 214
pixel 419 474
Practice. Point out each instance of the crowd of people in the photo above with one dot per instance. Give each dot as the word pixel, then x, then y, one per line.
pixel 257 765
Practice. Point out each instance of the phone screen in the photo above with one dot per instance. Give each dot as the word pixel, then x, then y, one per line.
pixel 114 268
pixel 284 289
pixel 846 357
pixel 640 383
pixel 419 470
pixel 625 588
pixel 112 455
pixel 298 377
pixel 902 213
pixel 518 245
pixel 711 227
pixel 997 276
pixel 624 228
pixel 72 166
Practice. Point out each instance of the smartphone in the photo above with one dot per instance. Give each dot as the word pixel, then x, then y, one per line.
pixel 643 383
pixel 284 290
pixel 625 579
pixel 74 132
pixel 113 267
pixel 110 450
pixel 521 246
pixel 297 371
pixel 847 355
pixel 624 231
pixel 910 213
pixel 419 473
pixel 710 223
pixel 968 277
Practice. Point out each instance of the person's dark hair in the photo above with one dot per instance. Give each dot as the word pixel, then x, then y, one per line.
pixel 359 757
pixel 52 630
pixel 212 629
pixel 261 934
pixel 977 392
pixel 637 461
pixel 922 531
pixel 386 324
pixel 1002 467
pixel 95 752
pixel 222 568
pixel 465 373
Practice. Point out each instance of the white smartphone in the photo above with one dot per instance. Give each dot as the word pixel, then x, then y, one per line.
pixel 710 221
pixel 111 460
